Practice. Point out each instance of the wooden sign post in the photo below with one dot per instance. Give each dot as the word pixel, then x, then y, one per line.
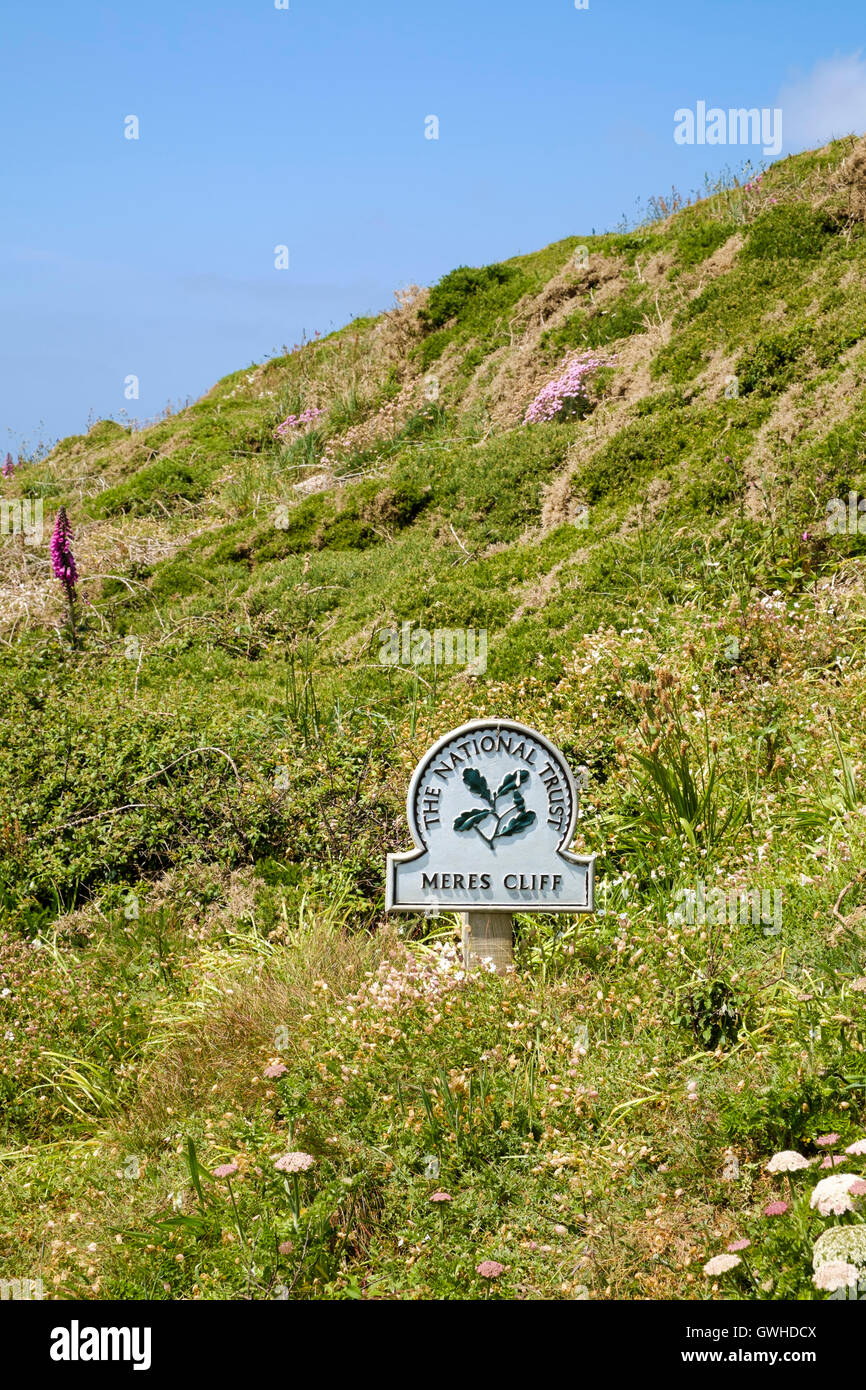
pixel 491 808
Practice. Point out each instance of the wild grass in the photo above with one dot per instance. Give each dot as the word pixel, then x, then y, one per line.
pixel 195 968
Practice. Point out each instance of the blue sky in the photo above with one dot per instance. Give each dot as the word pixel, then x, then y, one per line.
pixel 305 127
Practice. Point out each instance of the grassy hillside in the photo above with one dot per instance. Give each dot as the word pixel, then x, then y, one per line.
pixel 199 784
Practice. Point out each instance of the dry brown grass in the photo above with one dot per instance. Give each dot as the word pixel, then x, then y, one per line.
pixel 801 413
pixel 29 593
pixel 250 1003
pixel 508 378
pixel 713 380
pixel 851 181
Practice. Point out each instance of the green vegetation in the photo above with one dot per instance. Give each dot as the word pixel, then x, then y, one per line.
pixel 465 294
pixel 197 976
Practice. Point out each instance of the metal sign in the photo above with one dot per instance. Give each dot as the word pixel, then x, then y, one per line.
pixel 491 808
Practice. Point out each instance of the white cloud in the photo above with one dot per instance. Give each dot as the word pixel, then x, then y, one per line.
pixel 828 102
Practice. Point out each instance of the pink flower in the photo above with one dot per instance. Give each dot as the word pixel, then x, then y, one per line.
pixel 720 1264
pixel 858 1148
pixel 62 559
pixel 225 1170
pixel 858 1188
pixel 490 1269
pixel 275 1069
pixel 569 385
pixel 832 1194
pixel 787 1162
pixel 286 1247
pixel 835 1274
pixel 439 1197
pixel 294 422
pixel 295 1163
pixel 776 1208
pixel 832 1160
pixel 8 466
pixel 739 1245
pixel 824 1140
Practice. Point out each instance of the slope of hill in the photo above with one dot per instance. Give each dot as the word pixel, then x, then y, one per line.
pixel 199 784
